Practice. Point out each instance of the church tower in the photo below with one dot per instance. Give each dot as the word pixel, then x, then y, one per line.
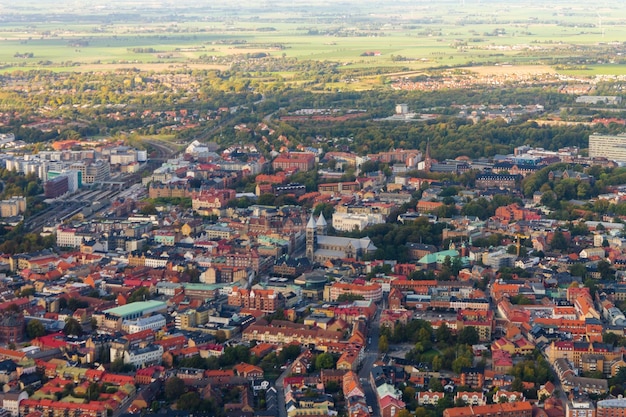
pixel 321 225
pixel 428 163
pixel 310 239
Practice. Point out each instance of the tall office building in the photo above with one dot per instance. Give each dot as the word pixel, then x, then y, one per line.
pixel 612 147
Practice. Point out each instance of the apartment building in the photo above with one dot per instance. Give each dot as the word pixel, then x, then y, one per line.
pixel 14 206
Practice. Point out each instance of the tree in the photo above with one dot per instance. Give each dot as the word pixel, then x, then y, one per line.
pixel 174 388
pixel 421 412
pixel 558 241
pixel 610 338
pixel 266 199
pixel 35 329
pixel 73 327
pixel 578 270
pixel 332 387
pixel 118 366
pixel 468 336
pixel 349 297
pixel 74 304
pixel 326 209
pixel 149 209
pixel 220 336
pixel 324 361
pixel 188 401
pixel 435 385
pixel 460 363
pixel 437 363
pixel 93 391
pixel 140 294
pixel 289 353
pixel 383 344
pixel 604 268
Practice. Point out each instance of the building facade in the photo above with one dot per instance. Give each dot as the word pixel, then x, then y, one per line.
pixel 612 147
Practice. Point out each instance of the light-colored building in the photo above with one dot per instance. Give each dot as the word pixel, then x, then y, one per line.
pixel 14 206
pixel 580 408
pixel 612 147
pixel 11 401
pixel 155 322
pixel 67 237
pixel 353 221
pixel 142 357
pixel 320 247
pixel 93 172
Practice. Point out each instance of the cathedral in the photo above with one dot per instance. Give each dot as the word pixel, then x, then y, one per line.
pixel 321 248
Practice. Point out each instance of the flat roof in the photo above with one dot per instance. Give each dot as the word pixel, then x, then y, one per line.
pixel 136 307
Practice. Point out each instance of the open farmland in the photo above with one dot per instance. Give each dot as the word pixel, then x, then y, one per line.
pixel 571 37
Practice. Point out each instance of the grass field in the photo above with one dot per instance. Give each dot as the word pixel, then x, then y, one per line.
pixel 400 35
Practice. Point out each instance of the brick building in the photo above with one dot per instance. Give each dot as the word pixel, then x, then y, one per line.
pixel 516 409
pixel 302 161
pixel 56 187
pixel 267 301
pixel 172 190
pixel 11 327
pixel 497 181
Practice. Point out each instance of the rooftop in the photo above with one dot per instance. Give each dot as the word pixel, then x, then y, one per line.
pixel 137 307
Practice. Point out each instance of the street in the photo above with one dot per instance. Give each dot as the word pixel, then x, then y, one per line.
pixel 280 392
pixel 371 354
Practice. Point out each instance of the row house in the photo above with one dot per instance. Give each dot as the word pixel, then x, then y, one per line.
pixel 278 335
pixel 336 188
pixel 50 408
pixel 515 409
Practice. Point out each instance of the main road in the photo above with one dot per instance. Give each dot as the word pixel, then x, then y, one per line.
pixel 371 354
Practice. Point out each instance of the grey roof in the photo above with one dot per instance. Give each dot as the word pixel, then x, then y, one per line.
pixel 321 221
pixel 364 243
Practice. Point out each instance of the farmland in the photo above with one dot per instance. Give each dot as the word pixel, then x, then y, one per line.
pixel 576 39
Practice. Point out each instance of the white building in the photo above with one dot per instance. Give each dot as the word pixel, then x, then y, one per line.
pixel 146 323
pixel 348 222
pixel 11 401
pixel 580 408
pixel 612 147
pixel 140 358
pixel 68 238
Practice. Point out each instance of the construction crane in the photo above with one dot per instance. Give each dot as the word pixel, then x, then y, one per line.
pixel 518 244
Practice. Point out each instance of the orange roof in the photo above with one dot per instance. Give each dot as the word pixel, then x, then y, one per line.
pixel 245 368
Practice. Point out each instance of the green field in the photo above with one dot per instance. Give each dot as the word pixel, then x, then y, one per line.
pixel 411 36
